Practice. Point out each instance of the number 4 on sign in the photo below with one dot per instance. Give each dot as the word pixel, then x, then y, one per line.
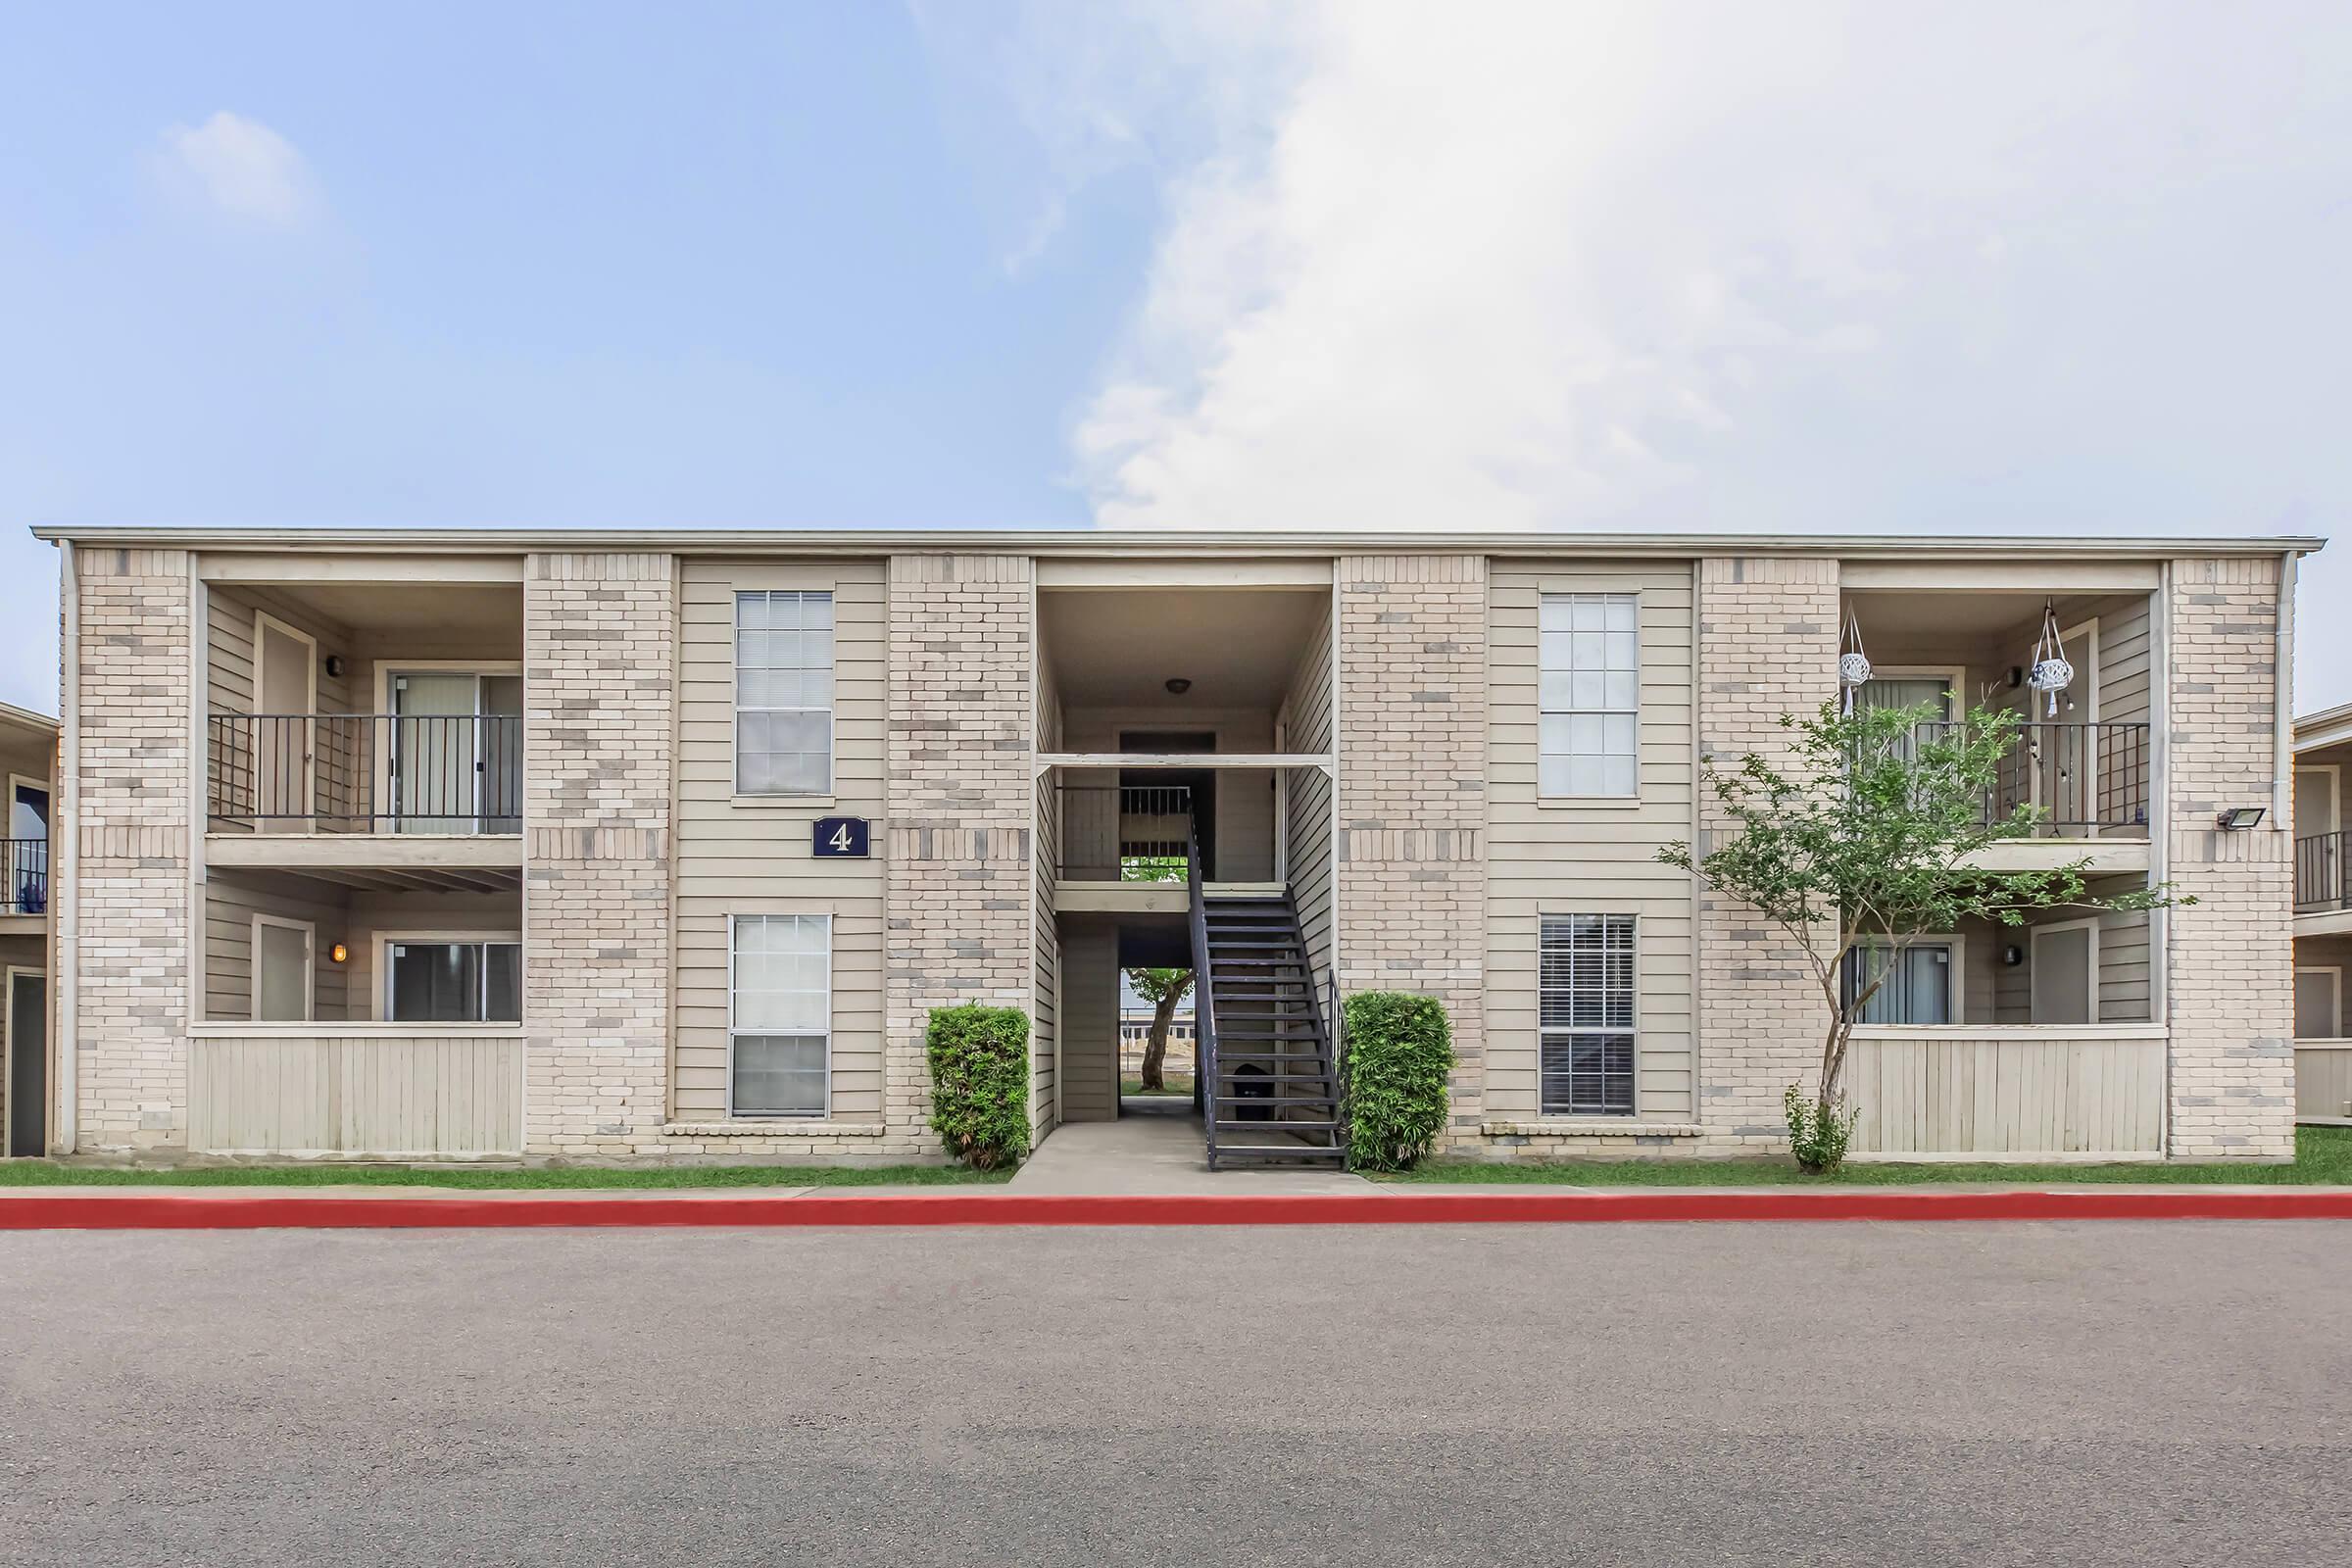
pixel 840 836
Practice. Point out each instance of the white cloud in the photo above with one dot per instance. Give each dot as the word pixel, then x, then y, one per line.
pixel 238 167
pixel 1821 265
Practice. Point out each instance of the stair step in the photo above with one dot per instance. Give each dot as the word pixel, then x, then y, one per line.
pixel 1298 1152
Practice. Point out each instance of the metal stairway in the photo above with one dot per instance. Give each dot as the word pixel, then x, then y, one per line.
pixel 1270 1088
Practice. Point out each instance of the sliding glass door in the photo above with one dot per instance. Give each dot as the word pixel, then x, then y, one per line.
pixel 456 752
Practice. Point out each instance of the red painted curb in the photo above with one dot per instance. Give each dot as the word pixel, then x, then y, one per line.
pixel 252 1211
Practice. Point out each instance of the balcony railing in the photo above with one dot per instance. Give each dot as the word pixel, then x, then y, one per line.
pixel 2319 873
pixel 1125 832
pixel 367 772
pixel 26 867
pixel 2082 779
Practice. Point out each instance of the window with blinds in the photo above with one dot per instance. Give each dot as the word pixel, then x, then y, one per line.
pixel 1586 996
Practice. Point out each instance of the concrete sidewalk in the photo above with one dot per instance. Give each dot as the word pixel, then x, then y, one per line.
pixel 1156 1147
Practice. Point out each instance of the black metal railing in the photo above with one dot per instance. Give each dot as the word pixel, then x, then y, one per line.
pixel 367 772
pixel 2080 778
pixel 1205 1002
pixel 1125 832
pixel 27 868
pixel 2320 872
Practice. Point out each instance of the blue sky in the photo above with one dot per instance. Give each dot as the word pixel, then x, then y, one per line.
pixel 1987 269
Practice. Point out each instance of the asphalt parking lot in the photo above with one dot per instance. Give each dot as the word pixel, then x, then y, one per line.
pixel 1611 1393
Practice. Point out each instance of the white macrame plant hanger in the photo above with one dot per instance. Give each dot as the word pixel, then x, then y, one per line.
pixel 2050 672
pixel 1853 664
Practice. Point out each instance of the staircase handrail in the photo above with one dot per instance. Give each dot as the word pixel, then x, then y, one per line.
pixel 1205 1006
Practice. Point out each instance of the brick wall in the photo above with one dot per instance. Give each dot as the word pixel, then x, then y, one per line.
pixel 960 747
pixel 131 872
pixel 599 635
pixel 1412 760
pixel 1767 646
pixel 2230 959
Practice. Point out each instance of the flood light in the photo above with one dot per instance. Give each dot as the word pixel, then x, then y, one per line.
pixel 2239 817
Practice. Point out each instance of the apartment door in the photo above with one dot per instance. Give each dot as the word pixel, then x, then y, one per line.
pixel 285 697
pixel 27 1065
pixel 26 889
pixel 456 752
pixel 2319 1003
pixel 2065 972
pixel 282 970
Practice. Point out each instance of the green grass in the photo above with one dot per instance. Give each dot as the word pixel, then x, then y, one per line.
pixel 2322 1158
pixel 50 1173
pixel 1176 1084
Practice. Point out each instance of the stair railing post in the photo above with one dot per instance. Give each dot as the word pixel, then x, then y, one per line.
pixel 1204 1006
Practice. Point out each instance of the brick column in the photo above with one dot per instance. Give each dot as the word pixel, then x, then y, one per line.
pixel 1412 760
pixel 2228 961
pixel 957 885
pixel 1767 646
pixel 600 642
pixel 132 750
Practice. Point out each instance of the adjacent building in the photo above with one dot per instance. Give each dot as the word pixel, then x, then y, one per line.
pixel 28 755
pixel 661 846
pixel 2323 918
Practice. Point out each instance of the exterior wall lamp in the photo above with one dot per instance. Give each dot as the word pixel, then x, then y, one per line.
pixel 2238 819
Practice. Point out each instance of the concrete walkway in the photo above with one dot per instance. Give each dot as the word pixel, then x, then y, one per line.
pixel 1156 1148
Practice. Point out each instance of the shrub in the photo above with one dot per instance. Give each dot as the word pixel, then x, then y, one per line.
pixel 1400 1049
pixel 980 1083
pixel 1817 1137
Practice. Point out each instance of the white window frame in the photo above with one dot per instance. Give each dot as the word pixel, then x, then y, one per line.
pixel 735 708
pixel 24 781
pixel 2034 935
pixel 385 941
pixel 1634 795
pixel 1633 1031
pixel 1953 676
pixel 1957 946
pixel 2336 1007
pixel 310 967
pixel 825 1112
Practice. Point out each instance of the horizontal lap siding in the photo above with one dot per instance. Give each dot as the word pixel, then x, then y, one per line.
pixel 230 903
pixel 2014 1095
pixel 1045 987
pixel 1590 858
pixel 377 1096
pixel 1307 799
pixel 756 858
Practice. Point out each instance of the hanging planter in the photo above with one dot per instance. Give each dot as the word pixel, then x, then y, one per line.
pixel 1853 664
pixel 2050 671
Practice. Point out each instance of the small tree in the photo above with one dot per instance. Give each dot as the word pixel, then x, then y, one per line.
pixel 1857 845
pixel 1164 989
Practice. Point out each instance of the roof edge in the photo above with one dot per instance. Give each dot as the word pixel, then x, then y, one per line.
pixel 1124 542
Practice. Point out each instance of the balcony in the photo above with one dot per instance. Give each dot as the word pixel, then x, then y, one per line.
pixel 2084 780
pixel 2320 884
pixel 1124 832
pixel 25 888
pixel 436 774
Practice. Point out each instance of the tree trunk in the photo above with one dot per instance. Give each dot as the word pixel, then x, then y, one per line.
pixel 1155 1046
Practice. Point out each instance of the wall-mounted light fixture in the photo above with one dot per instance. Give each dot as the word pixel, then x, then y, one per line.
pixel 2013 954
pixel 2238 819
pixel 1179 686
pixel 334 666
pixel 339 954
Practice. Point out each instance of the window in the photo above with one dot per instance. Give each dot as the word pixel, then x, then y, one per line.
pixel 783 693
pixel 1586 1023
pixel 1918 988
pixel 779 1014
pixel 453 982
pixel 1591 695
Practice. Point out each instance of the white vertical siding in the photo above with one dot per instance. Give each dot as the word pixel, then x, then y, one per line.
pixel 753 855
pixel 1583 857
pixel 439 1094
pixel 1948 1093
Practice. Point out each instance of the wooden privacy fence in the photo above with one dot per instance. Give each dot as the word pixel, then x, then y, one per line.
pixel 355 1093
pixel 2016 1092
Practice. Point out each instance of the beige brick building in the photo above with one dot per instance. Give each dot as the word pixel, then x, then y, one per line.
pixel 483 845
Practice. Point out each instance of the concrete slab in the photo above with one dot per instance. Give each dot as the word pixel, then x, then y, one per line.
pixel 1155 1149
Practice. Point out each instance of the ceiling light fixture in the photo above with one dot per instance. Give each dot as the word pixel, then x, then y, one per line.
pixel 1179 686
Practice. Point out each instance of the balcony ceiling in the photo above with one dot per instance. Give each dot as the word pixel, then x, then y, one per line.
pixel 1119 648
pixel 469 612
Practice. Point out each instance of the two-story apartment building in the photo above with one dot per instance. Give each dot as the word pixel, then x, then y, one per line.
pixel 661 845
